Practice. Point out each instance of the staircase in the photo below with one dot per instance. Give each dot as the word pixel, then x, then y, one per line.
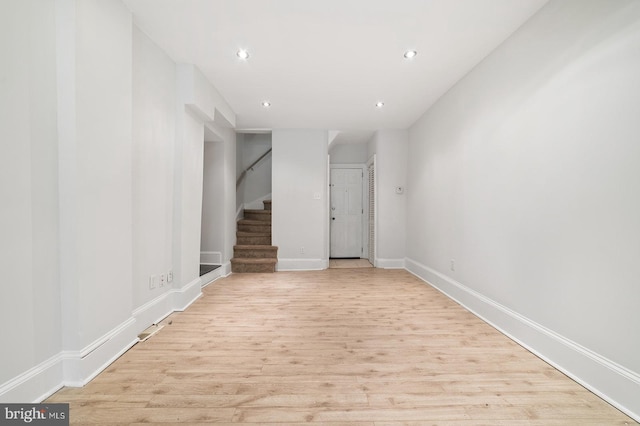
pixel 254 252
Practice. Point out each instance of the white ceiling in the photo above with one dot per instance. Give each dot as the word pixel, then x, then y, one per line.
pixel 325 63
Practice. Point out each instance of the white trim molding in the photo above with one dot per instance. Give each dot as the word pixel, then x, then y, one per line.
pixel 153 311
pixel 80 367
pixel 221 272
pixel 612 382
pixel 77 368
pixel 183 297
pixel 364 241
pixel 70 368
pixel 302 264
pixel 28 385
pixel 390 263
pixel 210 257
pixel 226 269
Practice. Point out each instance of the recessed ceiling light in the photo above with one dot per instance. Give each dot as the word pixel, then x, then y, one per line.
pixel 379 104
pixel 266 104
pixel 243 54
pixel 410 54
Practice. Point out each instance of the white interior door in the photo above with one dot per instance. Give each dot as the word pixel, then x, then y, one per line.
pixel 346 212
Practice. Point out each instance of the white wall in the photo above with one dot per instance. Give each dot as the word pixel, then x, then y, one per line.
pixel 228 136
pixel 154 112
pixel 300 187
pixel 96 207
pixel 190 139
pixel 391 149
pixel 30 322
pixel 349 153
pixel 199 103
pixel 526 173
pixel 257 182
pixel 239 162
pixel 219 197
pixel 212 242
pixel 90 167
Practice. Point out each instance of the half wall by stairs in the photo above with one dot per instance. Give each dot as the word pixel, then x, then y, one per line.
pixel 254 252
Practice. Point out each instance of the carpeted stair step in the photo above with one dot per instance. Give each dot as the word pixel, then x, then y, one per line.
pixel 259 226
pixel 240 265
pixel 255 252
pixel 253 238
pixel 261 215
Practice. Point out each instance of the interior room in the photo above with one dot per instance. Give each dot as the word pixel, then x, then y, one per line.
pixel 414 211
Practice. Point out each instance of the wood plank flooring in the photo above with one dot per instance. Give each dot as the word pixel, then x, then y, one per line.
pixel 349 263
pixel 335 347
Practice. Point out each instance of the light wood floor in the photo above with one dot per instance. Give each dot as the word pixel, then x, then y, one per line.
pixel 349 263
pixel 337 347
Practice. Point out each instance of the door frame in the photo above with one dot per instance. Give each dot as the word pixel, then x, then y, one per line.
pixel 365 206
pixel 371 163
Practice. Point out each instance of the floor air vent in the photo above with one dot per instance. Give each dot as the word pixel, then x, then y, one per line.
pixel 150 332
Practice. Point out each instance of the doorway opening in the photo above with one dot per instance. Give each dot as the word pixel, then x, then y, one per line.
pixel 348 212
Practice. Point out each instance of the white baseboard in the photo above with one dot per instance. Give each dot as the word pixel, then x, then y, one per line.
pixel 29 385
pixel 69 368
pixel 186 295
pixel 174 300
pixel 153 311
pixel 302 264
pixel 226 268
pixel 80 367
pixel 612 382
pixel 221 272
pixel 390 263
pixel 210 257
pixel 77 368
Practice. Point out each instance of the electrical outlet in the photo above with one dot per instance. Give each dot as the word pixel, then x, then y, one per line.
pixel 170 276
pixel 452 265
pixel 152 282
pixel 301 250
pixel 163 280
